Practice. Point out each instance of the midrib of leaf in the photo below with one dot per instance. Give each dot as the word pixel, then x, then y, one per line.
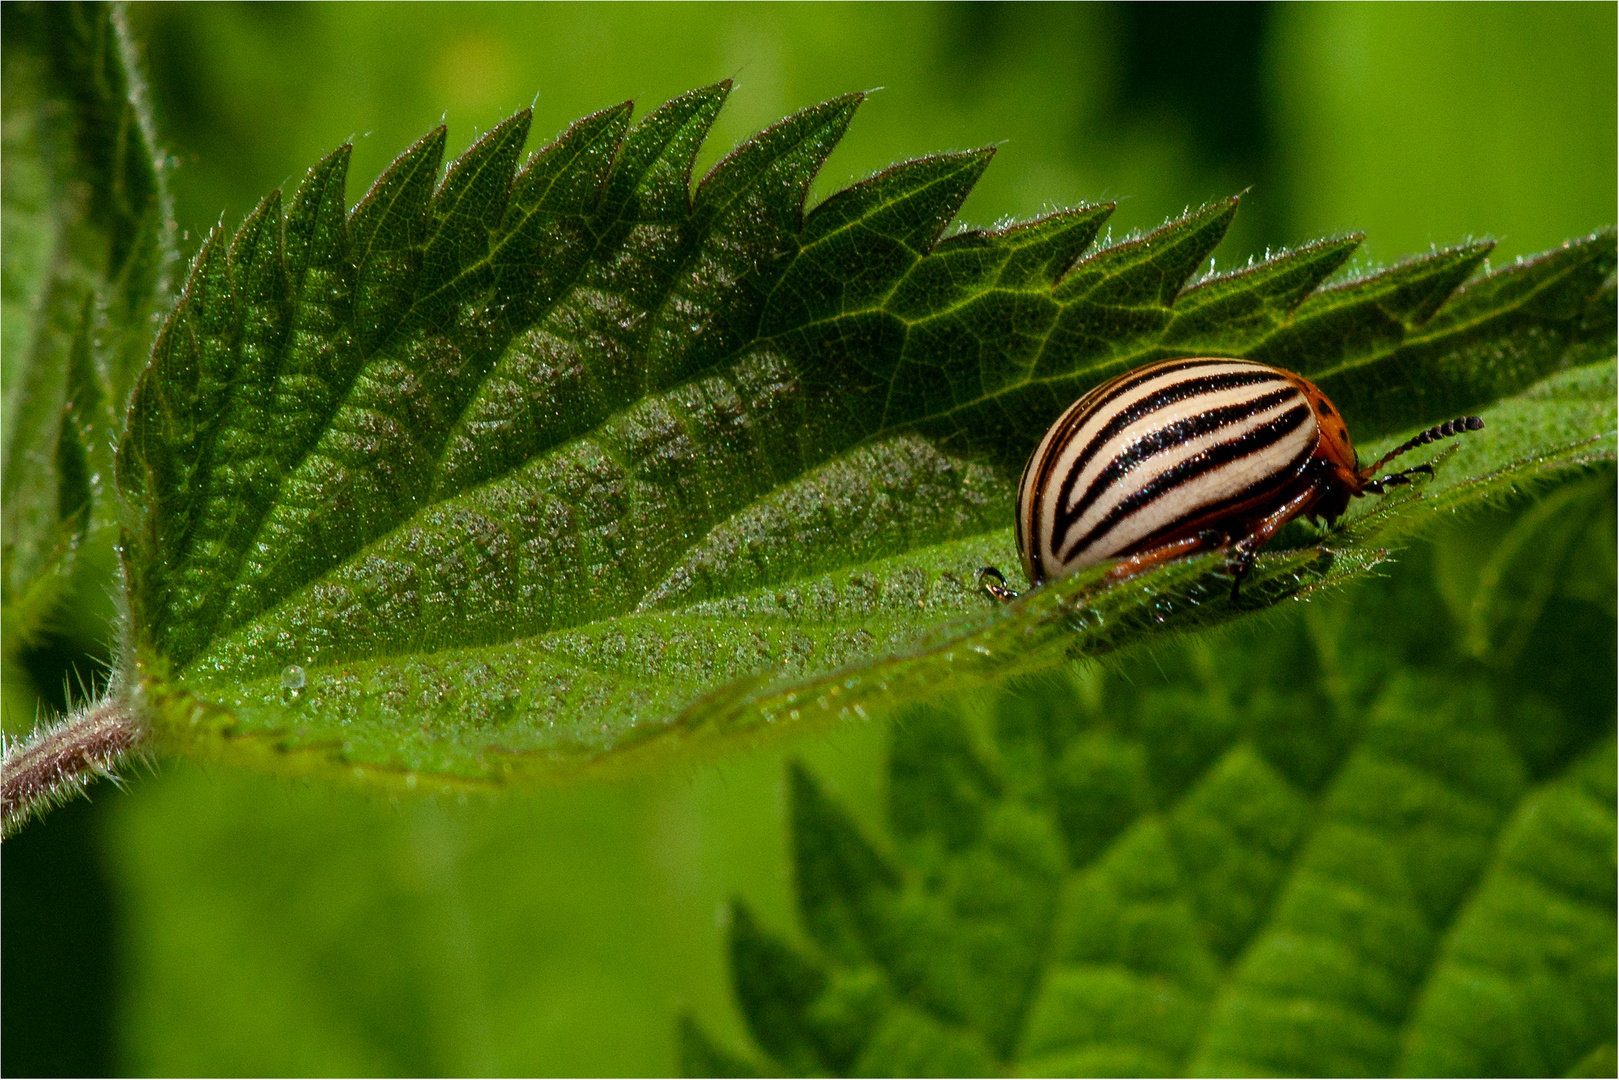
pixel 1248 982
pixel 1230 1044
pixel 1072 618
pixel 862 347
pixel 1571 816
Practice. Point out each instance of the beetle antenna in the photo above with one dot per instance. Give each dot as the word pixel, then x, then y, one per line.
pixel 1438 431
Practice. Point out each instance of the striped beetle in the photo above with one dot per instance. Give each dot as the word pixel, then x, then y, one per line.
pixel 1187 455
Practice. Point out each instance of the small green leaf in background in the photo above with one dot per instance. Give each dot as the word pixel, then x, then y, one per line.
pixel 88 252
pixel 1350 842
pixel 557 457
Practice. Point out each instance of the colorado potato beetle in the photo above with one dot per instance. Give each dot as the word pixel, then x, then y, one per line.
pixel 1188 455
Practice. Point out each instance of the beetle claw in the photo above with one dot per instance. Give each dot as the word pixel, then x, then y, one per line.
pixel 996 589
pixel 1242 562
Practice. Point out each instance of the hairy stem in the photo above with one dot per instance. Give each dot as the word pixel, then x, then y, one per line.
pixel 58 761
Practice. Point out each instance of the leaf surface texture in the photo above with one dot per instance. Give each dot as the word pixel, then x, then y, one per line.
pixel 553 461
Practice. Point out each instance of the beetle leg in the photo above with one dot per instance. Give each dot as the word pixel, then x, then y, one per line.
pixel 1146 560
pixel 1242 557
pixel 996 589
pixel 1399 479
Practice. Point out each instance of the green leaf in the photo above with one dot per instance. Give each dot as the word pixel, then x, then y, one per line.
pixel 88 251
pixel 561 463
pixel 1344 844
pixel 700 1057
pixel 1524 969
pixel 776 984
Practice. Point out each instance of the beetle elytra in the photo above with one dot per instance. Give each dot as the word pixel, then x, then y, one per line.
pixel 1188 455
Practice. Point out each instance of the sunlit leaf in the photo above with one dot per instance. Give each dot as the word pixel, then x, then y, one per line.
pixel 511 471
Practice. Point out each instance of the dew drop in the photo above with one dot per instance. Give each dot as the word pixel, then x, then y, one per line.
pixel 292 677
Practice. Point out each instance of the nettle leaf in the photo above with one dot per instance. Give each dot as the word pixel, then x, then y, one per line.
pixel 87 255
pixel 509 471
pixel 1346 844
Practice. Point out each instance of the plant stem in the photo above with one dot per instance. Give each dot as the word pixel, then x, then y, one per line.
pixel 58 761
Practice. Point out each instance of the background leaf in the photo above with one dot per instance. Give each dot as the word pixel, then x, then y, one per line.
pixel 503 472
pixel 1340 844
pixel 88 252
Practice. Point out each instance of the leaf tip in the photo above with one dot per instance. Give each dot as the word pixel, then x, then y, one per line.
pixel 972 162
pixel 518 121
pixel 336 162
pixel 270 203
pixel 739 916
pixel 706 98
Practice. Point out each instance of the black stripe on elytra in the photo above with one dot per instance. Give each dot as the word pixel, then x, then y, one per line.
pixel 1082 411
pixel 1189 470
pixel 1018 515
pixel 1278 481
pixel 1155 442
pixel 1127 382
pixel 1181 430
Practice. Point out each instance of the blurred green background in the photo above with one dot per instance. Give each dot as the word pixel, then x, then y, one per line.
pixel 202 921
